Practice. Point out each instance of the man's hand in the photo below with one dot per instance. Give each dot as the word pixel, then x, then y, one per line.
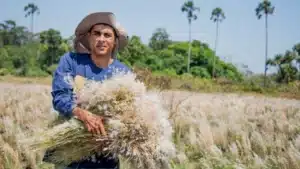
pixel 93 123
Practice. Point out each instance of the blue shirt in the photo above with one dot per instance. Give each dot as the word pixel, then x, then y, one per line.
pixel 71 65
pixel 64 100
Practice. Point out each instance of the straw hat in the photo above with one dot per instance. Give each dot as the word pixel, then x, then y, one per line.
pixel 81 43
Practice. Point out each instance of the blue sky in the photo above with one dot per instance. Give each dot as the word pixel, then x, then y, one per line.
pixel 241 34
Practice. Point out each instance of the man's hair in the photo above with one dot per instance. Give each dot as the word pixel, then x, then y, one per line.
pixel 115 49
pixel 115 33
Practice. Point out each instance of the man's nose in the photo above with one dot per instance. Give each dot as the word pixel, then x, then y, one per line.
pixel 101 38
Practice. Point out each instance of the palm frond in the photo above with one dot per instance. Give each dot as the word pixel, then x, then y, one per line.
pixel 217 14
pixel 31 9
pixel 271 62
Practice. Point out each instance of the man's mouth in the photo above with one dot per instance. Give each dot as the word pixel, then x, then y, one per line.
pixel 101 47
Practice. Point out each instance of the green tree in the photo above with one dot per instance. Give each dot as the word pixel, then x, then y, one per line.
pixel 217 15
pixel 265 8
pixel 12 34
pixel 6 32
pixel 296 49
pixel 53 44
pixel 135 53
pixel 287 71
pixel 30 10
pixel 160 39
pixel 190 8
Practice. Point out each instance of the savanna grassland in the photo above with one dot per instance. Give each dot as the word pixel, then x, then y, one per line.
pixel 223 115
pixel 220 131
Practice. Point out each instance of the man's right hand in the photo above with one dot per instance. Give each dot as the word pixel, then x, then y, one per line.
pixel 93 123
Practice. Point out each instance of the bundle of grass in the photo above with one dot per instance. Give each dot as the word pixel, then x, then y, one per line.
pixel 24 110
pixel 137 126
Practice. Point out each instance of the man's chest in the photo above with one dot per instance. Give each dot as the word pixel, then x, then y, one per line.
pixel 82 73
pixel 92 73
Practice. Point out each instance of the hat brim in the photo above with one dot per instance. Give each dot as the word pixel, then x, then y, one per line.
pixel 81 43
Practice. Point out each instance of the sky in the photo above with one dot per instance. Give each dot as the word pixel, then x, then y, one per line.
pixel 241 34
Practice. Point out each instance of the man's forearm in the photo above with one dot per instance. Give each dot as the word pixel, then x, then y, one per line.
pixel 63 103
pixel 80 114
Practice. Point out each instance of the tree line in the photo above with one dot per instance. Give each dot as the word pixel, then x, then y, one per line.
pixel 286 63
pixel 25 53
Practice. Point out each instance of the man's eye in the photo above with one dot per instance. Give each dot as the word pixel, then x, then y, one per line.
pixel 107 35
pixel 96 33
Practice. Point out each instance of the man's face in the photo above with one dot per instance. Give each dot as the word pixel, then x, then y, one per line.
pixel 102 40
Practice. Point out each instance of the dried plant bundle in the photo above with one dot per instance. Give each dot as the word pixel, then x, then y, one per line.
pixel 137 125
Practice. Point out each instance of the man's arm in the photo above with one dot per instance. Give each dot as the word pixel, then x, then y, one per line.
pixel 62 88
pixel 64 98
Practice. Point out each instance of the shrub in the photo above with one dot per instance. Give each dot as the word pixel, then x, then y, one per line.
pixel 3 72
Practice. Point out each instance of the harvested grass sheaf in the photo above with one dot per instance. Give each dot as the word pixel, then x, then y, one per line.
pixel 137 125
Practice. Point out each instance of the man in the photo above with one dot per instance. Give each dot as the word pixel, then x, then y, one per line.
pixel 96 44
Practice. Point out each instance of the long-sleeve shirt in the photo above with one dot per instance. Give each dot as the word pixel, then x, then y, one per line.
pixel 71 66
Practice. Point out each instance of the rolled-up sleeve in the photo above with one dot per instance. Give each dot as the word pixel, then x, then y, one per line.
pixel 63 97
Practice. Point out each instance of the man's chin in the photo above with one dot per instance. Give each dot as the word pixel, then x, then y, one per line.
pixel 101 53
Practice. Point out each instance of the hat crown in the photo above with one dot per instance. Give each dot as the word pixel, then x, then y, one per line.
pixel 95 18
pixel 92 19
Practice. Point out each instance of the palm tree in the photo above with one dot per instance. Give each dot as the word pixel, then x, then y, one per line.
pixel 217 15
pixel 265 7
pixel 277 62
pixel 30 10
pixel 190 8
pixel 284 63
pixel 296 49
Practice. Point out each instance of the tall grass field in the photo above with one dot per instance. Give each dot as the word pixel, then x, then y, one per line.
pixel 210 131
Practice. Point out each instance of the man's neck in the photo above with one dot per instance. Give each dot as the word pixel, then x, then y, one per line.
pixel 101 61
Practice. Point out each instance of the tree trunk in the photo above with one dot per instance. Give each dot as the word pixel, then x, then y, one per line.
pixel 190 48
pixel 32 26
pixel 215 51
pixel 281 73
pixel 266 50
